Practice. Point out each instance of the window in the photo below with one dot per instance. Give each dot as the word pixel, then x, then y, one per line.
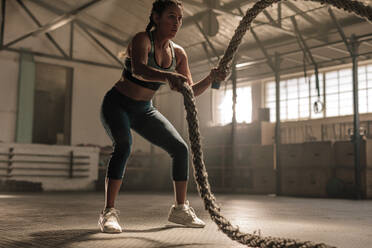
pixel 365 88
pixel 298 97
pixel 339 92
pixel 223 101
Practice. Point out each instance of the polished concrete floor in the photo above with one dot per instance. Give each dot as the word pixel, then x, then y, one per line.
pixel 68 219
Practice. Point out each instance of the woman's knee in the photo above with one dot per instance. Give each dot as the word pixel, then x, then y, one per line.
pixel 123 147
pixel 181 162
pixel 120 155
pixel 180 150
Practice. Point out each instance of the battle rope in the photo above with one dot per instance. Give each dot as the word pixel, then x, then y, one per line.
pixel 200 173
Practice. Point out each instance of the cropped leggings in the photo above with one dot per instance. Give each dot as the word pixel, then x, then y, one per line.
pixel 120 113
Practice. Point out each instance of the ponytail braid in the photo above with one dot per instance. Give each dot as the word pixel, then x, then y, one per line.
pixel 151 24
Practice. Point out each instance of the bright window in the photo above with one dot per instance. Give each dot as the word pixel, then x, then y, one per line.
pixel 298 96
pixel 223 101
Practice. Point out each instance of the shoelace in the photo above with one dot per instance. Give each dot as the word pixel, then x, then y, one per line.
pixel 112 212
pixel 192 212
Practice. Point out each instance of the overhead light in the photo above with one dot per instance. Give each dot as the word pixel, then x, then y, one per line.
pixel 244 64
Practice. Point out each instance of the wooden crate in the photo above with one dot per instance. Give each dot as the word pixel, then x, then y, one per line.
pixel 317 155
pixel 243 155
pixel 369 153
pixel 215 177
pixel 347 176
pixel 215 136
pixel 214 156
pixel 263 181
pixel 291 182
pixel 291 155
pixel 248 133
pixel 369 184
pixel 241 179
pixel 262 156
pixel 314 181
pixel 344 154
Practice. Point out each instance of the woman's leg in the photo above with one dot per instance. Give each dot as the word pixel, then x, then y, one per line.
pixel 112 187
pixel 154 127
pixel 180 190
pixel 117 125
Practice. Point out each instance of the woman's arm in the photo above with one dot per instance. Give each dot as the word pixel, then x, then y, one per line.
pixel 183 68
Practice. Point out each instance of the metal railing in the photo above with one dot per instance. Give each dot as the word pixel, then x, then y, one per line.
pixel 74 167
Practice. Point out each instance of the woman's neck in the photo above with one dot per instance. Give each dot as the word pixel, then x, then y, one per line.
pixel 160 41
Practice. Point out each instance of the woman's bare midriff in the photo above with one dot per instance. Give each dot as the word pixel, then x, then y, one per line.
pixel 134 91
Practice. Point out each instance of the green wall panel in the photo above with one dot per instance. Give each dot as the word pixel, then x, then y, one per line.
pixel 26 85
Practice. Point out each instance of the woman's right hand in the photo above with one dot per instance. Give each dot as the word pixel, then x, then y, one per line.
pixel 176 80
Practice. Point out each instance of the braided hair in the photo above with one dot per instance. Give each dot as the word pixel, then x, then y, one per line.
pixel 158 7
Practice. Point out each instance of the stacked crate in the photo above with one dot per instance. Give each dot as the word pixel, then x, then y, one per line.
pixel 290 171
pixel 306 168
pixel 345 165
pixel 215 150
pixel 261 163
pixel 253 170
pixel 214 160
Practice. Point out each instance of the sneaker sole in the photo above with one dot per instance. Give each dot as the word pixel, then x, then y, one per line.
pixel 178 221
pixel 109 230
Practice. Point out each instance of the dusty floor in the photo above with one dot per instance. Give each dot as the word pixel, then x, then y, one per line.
pixel 63 220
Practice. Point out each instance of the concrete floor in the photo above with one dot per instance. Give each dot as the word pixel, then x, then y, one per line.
pixel 64 220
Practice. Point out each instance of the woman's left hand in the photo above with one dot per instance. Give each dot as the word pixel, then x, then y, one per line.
pixel 218 75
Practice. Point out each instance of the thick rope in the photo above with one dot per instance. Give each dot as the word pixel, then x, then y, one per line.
pixel 200 173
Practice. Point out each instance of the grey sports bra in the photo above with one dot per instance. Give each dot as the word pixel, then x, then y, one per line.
pixel 151 61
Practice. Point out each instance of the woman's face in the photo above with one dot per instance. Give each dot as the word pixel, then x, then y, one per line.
pixel 170 21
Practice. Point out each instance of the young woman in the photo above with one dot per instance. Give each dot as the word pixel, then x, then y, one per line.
pixel 152 60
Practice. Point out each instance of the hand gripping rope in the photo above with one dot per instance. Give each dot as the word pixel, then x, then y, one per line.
pixel 200 173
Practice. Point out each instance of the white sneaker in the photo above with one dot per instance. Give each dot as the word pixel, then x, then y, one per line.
pixel 109 221
pixel 185 215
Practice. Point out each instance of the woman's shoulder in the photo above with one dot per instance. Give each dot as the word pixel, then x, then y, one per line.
pixel 140 39
pixel 141 36
pixel 179 50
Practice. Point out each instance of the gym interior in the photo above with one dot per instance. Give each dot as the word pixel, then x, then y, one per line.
pixel 283 146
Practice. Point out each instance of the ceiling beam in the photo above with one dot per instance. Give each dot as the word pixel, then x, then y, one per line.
pixel 278 27
pixel 102 46
pixel 308 18
pixel 72 28
pixel 278 41
pixel 264 51
pixel 56 23
pixel 204 34
pixel 340 30
pixel 36 21
pixel 58 11
pixel 226 7
pixel 66 18
pixel 361 38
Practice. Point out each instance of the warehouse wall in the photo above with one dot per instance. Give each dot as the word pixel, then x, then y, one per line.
pixel 89 82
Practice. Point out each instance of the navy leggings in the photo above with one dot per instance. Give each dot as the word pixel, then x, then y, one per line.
pixel 120 113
